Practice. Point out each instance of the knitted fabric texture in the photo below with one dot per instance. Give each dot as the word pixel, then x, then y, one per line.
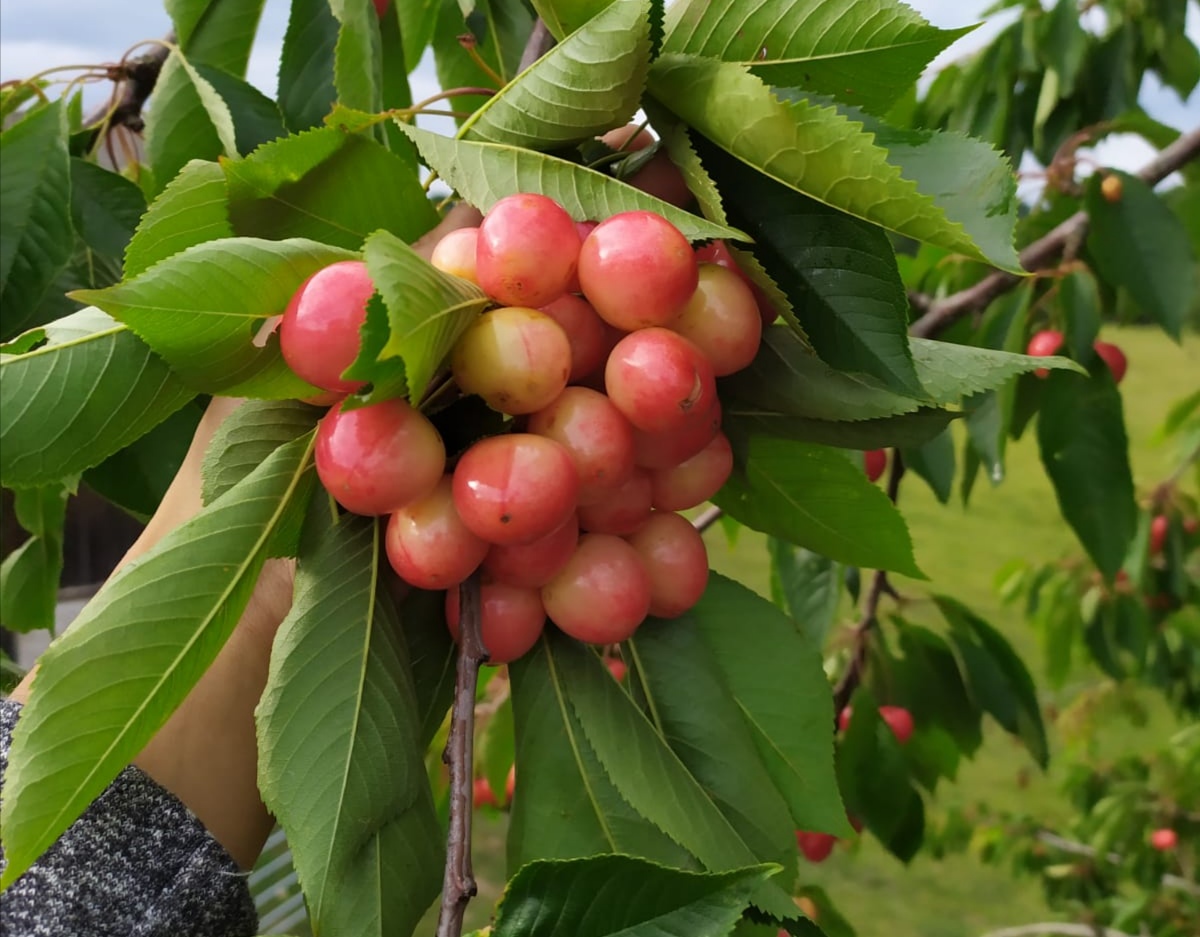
pixel 136 864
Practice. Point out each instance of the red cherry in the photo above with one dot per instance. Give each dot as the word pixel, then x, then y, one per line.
pixel 482 794
pixel 1114 358
pixel 1164 840
pixel 319 333
pixel 510 785
pixel 875 463
pixel 899 720
pixel 815 846
pixel 1159 527
pixel 844 718
pixel 1044 344
pixel 616 667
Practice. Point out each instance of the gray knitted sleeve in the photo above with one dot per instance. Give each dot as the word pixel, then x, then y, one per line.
pixel 136 864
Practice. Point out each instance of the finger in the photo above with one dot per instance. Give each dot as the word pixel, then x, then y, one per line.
pixel 461 215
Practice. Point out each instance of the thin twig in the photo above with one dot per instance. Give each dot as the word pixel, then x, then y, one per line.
pixel 458 884
pixel 939 314
pixel 1176 882
pixel 708 518
pixel 1049 928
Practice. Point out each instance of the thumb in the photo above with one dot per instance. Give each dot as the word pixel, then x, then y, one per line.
pixel 461 215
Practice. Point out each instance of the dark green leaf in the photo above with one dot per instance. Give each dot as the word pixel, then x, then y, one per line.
pixel 930 683
pixel 29 574
pixel 807 586
pixel 357 56
pixel 105 208
pixel 217 32
pixel 256 118
pixel 193 208
pixel 418 19
pixel 934 462
pixel 306 91
pixel 906 429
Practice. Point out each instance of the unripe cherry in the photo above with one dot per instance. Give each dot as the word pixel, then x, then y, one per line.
pixel 637 269
pixel 602 595
pixel 515 488
pixel 517 359
pixel 588 335
pixel 319 333
pixel 377 459
pixel 1043 344
pixel 455 253
pixel 660 381
pixel 527 250
pixel 722 320
pixel 676 561
pixel 622 511
pixel 596 434
pixel 427 543
pixel 532 565
pixel 694 480
pixel 666 450
pixel 511 619
pixel 660 177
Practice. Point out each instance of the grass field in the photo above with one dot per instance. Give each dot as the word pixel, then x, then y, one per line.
pixel 961 550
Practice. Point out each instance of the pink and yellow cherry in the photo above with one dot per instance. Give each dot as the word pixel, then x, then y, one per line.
pixel 527 250
pixel 666 450
pixel 516 488
pixel 676 561
pixel 602 595
pixel 1112 355
pixel 596 434
pixel 816 847
pixel 377 459
pixel 637 269
pixel 717 252
pixel 511 619
pixel 1043 344
pixel 694 480
pixel 427 543
pixel 622 511
pixel 722 320
pixel 589 336
pixel 516 359
pixel 455 253
pixel 532 565
pixel 875 463
pixel 660 381
pixel 319 333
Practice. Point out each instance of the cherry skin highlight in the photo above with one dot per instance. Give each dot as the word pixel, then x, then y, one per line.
pixel 319 333
pixel 455 253
pixel 510 622
pixel 427 543
pixel 602 595
pixel 527 250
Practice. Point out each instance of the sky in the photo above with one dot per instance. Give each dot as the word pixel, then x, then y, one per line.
pixel 39 34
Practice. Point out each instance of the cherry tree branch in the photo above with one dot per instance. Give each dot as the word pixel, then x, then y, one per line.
pixel 938 314
pixel 1062 844
pixel 1048 928
pixel 458 883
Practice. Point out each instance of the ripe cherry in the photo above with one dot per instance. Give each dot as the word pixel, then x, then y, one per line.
pixel 899 720
pixel 722 320
pixel 659 177
pixel 676 561
pixel 319 334
pixel 515 488
pixel 516 359
pixel 377 459
pixel 455 253
pixel 1164 840
pixel 637 270
pixel 510 784
pixel 660 381
pixel 875 463
pixel 616 667
pixel 427 543
pixel 623 510
pixel 1044 344
pixel 510 619
pixel 482 795
pixel 1159 528
pixel 589 336
pixel 527 250
pixel 596 434
pixel 1113 357
pixel 695 480
pixel 602 595
pixel 666 450
pixel 816 847
pixel 717 252
pixel 532 565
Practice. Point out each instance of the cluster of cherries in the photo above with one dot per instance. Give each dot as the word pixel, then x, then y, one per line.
pixel 1048 342
pixel 603 348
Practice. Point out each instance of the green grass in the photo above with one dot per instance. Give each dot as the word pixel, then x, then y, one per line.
pixel 961 550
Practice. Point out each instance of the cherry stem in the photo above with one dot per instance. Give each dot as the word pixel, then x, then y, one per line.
pixel 468 42
pixel 452 93
pixel 458 884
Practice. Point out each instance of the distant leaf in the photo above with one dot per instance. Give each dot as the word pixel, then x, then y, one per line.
pixel 119 387
pixel 29 574
pixel 192 209
pixel 934 462
pixel 610 895
pixel 996 677
pixel 807 586
pixel 1138 243
pixel 105 208
pixel 341 769
pixel 1080 301
pixel 563 17
pixel 103 690
pixel 813 497
pixel 306 90
pixel 809 148
pixel 217 32
pixel 949 372
pixel 325 185
pixel 1085 450
pixel 201 309
pixel 247 437
pixel 189 120
pixel 483 173
pixel 256 118
pixel 357 57
pixel 590 82
pixel 418 19
pixel 866 54
pixel 36 239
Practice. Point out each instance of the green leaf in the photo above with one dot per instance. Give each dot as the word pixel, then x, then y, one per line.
pixel 483 173
pixel 118 388
pixel 103 690
pixel 217 32
pixel 563 17
pixel 105 208
pixel 247 437
pixel 357 56
pixel 590 82
pixel 931 685
pixel 949 372
pixel 996 677
pixel 36 238
pixel 324 185
pixel 906 429
pixel 1079 300
pixel 202 308
pixel 603 896
pixel 773 671
pixel 567 805
pixel 1138 243
pixel 418 19
pixel 341 769
pixel 807 586
pixel 814 497
pixel 306 91
pixel 256 118
pixel 866 53
pixel 428 309
pixel 432 653
pixel 935 463
pixel 1085 450
pixel 810 148
pixel 192 209
pixel 29 574
pixel 189 120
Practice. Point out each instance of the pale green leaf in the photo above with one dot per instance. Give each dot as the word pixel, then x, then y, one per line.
pixel 563 17
pixel 103 690
pixel 807 586
pixel 192 209
pixel 29 574
pixel 949 372
pixel 247 437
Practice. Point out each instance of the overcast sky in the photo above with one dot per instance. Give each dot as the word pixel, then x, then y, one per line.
pixel 39 34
